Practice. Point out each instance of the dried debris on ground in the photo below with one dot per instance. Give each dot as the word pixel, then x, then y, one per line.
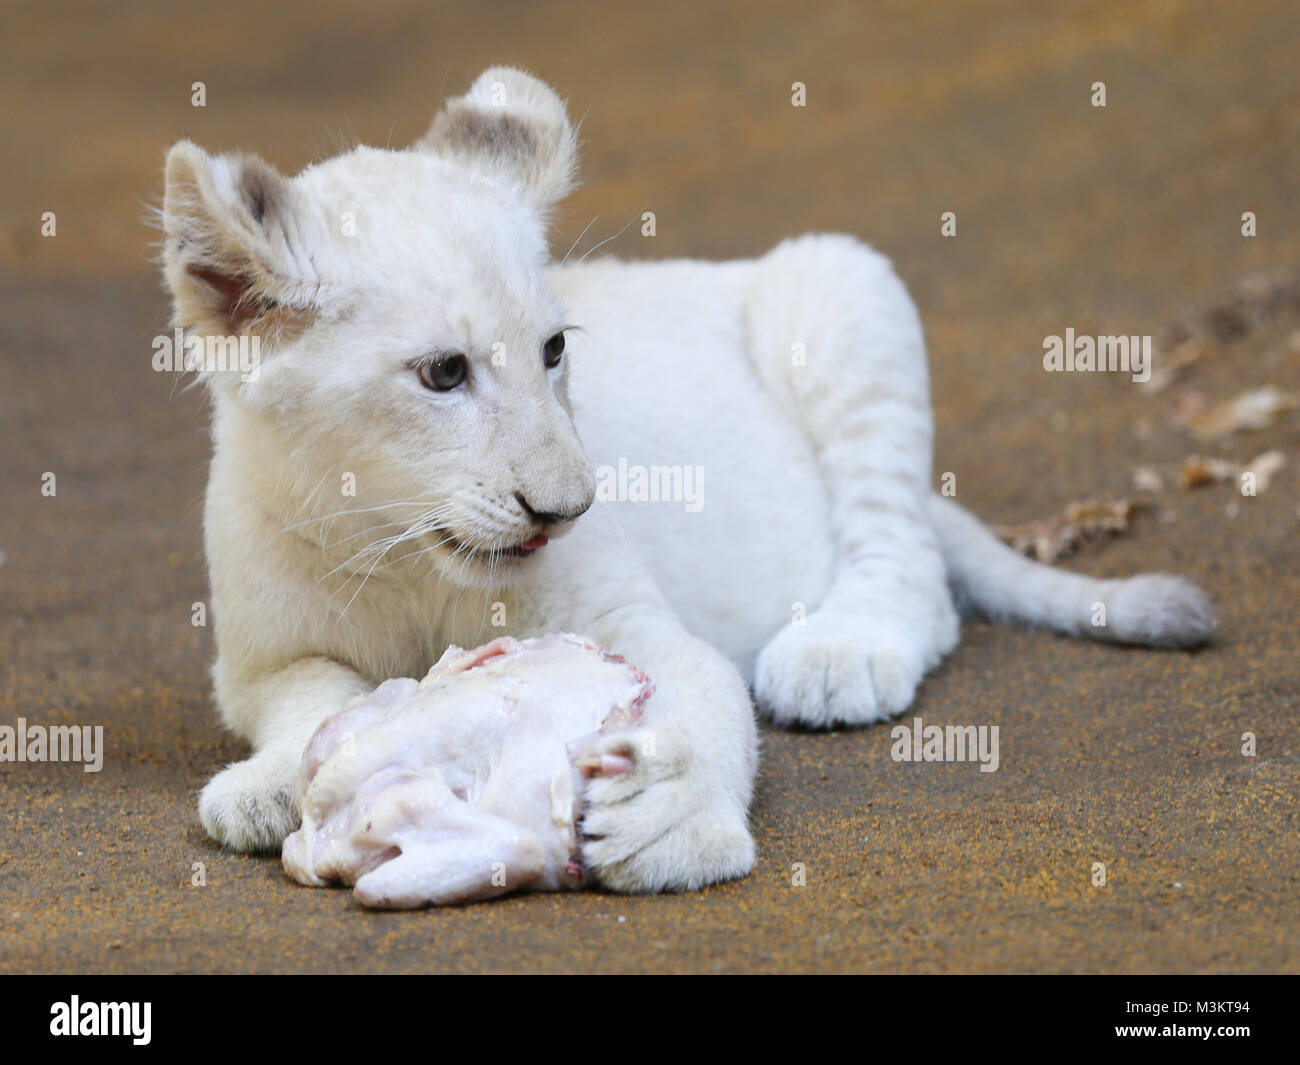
pixel 1051 538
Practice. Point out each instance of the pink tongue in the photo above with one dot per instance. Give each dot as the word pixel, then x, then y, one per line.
pixel 537 541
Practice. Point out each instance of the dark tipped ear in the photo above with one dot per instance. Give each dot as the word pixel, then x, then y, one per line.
pixel 231 249
pixel 511 124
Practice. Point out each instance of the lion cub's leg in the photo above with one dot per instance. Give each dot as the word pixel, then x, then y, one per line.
pixel 250 805
pixel 835 337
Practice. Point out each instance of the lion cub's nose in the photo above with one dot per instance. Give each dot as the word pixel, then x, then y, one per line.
pixel 553 517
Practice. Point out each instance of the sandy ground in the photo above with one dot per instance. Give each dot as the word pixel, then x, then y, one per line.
pixel 1123 219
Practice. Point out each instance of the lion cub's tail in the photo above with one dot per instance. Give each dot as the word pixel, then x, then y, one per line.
pixel 987 576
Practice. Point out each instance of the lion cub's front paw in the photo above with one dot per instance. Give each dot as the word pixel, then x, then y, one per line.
pixel 652 825
pixel 825 673
pixel 249 806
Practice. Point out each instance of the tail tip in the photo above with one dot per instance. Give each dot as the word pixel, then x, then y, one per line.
pixel 1161 610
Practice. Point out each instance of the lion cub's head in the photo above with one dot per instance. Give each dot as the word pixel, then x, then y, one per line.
pixel 407 340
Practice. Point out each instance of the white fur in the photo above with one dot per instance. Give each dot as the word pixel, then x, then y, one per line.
pixel 816 492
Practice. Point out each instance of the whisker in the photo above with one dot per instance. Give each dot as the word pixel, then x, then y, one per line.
pixel 575 243
pixel 607 240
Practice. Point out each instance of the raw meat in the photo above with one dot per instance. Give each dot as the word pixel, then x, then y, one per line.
pixel 467 784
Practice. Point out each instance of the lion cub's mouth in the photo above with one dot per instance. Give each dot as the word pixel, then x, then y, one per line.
pixel 460 548
pixel 526 548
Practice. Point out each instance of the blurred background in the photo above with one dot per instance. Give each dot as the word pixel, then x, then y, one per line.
pixel 1121 219
pixel 1065 211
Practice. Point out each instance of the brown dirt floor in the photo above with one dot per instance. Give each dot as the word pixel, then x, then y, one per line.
pixel 1117 220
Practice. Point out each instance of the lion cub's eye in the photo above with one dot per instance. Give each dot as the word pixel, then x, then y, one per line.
pixel 442 375
pixel 552 350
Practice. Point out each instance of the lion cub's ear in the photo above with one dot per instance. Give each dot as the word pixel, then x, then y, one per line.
pixel 232 245
pixel 514 125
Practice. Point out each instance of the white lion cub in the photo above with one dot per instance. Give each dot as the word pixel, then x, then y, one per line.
pixel 409 467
